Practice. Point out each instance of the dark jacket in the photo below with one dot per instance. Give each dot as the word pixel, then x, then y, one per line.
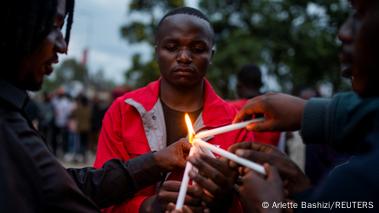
pixel 350 123
pixel 340 122
pixel 350 187
pixel 32 180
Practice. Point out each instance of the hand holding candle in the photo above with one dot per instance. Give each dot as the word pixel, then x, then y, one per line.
pixel 224 129
pixel 185 179
pixel 226 154
pixel 197 139
pixel 249 164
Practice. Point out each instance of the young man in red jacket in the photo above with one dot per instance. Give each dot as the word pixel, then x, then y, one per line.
pixel 151 118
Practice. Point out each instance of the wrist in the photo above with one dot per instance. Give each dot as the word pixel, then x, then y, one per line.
pixel 160 161
pixel 149 205
pixel 300 112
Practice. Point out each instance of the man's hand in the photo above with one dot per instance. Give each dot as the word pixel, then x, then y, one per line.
pixel 171 209
pixel 173 156
pixel 257 191
pixel 281 112
pixel 169 192
pixel 216 178
pixel 294 179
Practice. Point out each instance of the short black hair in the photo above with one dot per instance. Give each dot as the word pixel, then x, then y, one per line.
pixel 250 75
pixel 26 23
pixel 188 11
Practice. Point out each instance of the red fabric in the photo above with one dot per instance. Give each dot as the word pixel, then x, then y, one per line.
pixel 261 137
pixel 238 104
pixel 122 135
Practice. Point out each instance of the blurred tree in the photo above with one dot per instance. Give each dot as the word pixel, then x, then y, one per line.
pixel 295 40
pixel 99 82
pixel 70 70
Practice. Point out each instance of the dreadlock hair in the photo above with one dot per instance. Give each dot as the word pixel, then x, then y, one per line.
pixel 26 23
pixel 188 11
pixel 70 5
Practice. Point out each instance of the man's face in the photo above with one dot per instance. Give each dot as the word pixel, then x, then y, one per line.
pixel 34 67
pixel 348 35
pixel 184 49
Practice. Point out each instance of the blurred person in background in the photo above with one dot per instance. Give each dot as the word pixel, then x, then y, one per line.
pixel 82 116
pixel 63 107
pixel 99 107
pixel 249 85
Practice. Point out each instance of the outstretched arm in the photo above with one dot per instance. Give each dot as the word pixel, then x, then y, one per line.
pixel 281 112
pixel 119 180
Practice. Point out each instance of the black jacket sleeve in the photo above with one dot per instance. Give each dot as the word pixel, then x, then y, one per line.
pixel 340 121
pixel 117 180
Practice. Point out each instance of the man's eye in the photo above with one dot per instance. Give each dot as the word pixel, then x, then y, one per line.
pixel 57 27
pixel 198 49
pixel 171 47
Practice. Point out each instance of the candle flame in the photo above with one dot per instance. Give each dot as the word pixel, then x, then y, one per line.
pixel 191 131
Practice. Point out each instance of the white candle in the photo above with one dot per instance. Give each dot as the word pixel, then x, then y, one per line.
pixel 185 181
pixel 206 151
pixel 228 128
pixel 249 164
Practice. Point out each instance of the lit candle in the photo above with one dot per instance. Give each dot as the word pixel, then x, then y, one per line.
pixel 249 164
pixel 208 149
pixel 224 129
pixel 185 179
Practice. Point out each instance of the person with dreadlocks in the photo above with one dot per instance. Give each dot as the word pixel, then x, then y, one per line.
pixel 31 179
pixel 152 117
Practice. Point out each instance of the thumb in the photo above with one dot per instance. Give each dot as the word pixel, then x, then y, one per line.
pixel 272 173
pixel 186 147
pixel 261 126
pixel 239 116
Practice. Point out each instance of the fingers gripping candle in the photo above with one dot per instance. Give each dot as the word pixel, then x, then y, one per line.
pixel 185 179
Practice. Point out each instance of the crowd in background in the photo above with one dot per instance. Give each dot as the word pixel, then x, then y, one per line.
pixel 70 125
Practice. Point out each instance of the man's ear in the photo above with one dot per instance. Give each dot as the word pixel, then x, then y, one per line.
pixel 156 51
pixel 212 53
